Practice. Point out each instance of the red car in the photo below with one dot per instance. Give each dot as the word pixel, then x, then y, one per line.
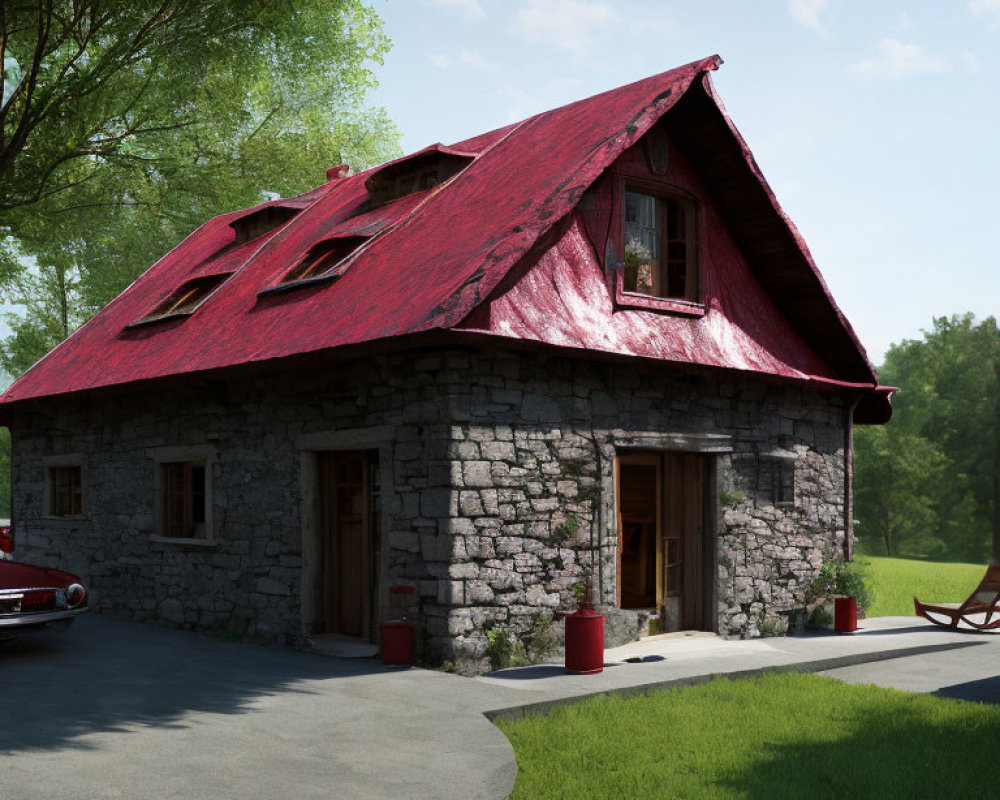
pixel 34 598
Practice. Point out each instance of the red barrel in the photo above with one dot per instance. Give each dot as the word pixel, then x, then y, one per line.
pixel 397 643
pixel 845 614
pixel 585 641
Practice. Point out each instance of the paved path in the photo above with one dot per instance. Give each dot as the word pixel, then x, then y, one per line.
pixel 112 709
pixel 971 673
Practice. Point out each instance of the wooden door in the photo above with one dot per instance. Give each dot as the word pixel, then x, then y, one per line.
pixel 683 530
pixel 348 500
pixel 661 533
pixel 639 480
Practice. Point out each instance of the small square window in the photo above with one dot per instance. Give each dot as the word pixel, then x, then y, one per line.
pixel 65 491
pixel 660 246
pixel 775 480
pixel 184 493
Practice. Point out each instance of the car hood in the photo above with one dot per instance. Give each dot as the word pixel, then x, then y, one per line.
pixel 15 575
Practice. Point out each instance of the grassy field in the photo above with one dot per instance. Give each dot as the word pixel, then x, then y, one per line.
pixel 895 581
pixel 779 737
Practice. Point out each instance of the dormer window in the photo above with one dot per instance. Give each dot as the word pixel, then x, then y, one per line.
pixel 260 222
pixel 186 298
pixel 322 258
pixel 416 173
pixel 660 236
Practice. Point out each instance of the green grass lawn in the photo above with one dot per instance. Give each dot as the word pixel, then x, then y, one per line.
pixel 775 737
pixel 895 581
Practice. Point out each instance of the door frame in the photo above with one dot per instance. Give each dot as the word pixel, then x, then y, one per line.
pixel 705 616
pixel 378 439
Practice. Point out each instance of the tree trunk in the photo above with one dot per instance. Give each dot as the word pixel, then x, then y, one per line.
pixel 884 512
pixel 63 302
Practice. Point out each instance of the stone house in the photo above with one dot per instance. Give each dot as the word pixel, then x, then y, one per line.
pixel 586 348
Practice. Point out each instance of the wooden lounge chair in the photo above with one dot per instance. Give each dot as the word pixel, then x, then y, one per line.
pixel 984 600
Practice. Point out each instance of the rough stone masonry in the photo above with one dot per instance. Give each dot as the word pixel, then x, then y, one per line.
pixel 497 489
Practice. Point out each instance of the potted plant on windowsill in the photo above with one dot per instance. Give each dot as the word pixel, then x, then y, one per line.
pixel 844 583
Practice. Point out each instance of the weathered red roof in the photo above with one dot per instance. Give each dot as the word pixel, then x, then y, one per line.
pixel 437 259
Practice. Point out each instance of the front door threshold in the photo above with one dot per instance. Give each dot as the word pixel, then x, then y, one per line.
pixel 336 644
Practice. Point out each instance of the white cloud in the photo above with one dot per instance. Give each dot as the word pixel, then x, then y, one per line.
pixel 524 103
pixel 568 25
pixel 469 58
pixel 473 59
pixel 898 60
pixel 472 9
pixel 807 13
pixel 971 61
pixel 987 8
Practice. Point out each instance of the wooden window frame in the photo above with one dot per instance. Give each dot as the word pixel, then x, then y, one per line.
pixel 183 463
pixel 187 298
pixel 252 226
pixel 691 304
pixel 185 480
pixel 321 264
pixel 71 466
pixel 775 480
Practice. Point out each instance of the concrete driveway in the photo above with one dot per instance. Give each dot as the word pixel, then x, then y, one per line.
pixel 112 709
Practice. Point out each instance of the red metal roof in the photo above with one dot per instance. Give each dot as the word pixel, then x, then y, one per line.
pixel 435 258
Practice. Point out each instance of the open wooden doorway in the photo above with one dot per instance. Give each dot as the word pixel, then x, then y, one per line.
pixel 349 495
pixel 664 547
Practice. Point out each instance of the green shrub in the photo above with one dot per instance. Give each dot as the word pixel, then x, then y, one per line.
pixel 505 647
pixel 844 578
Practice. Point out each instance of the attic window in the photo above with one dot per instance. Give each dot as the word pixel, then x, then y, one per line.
pixel 660 240
pixel 260 222
pixel 185 299
pixel 418 173
pixel 322 259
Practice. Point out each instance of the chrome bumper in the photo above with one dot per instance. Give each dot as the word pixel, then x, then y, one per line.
pixel 28 618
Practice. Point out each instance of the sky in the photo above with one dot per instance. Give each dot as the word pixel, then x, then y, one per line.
pixel 876 124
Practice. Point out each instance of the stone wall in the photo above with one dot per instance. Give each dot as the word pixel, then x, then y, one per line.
pixel 498 489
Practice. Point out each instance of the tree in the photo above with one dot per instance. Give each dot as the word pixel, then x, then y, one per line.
pixel 125 125
pixel 942 445
pixel 132 123
pixel 107 84
pixel 895 475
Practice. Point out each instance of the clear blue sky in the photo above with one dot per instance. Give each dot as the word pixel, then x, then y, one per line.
pixel 877 124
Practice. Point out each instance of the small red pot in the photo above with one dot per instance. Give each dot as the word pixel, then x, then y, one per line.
pixel 845 614
pixel 585 641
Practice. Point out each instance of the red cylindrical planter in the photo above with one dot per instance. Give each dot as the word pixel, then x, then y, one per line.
pixel 397 643
pixel 585 641
pixel 845 614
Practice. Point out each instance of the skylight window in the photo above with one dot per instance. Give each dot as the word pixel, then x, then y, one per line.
pixel 186 298
pixel 416 173
pixel 260 222
pixel 322 259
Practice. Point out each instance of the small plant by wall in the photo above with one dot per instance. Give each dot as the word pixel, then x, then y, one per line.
pixel 732 497
pixel 565 532
pixel 506 647
pixel 837 578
